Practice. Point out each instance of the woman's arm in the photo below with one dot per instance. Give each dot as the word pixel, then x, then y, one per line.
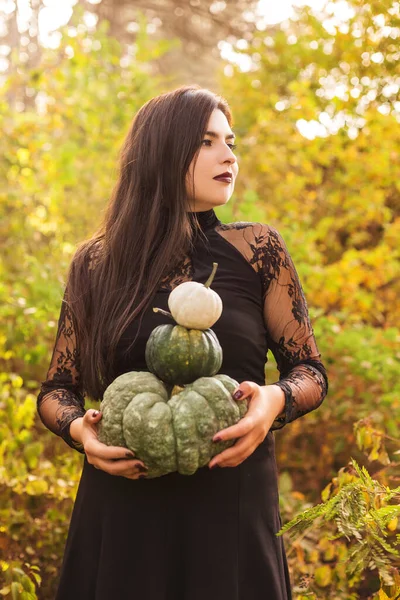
pixel 303 377
pixel 61 397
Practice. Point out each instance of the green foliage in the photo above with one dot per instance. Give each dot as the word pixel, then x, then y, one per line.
pixel 355 507
pixel 24 466
pixel 38 482
pixel 359 507
pixel 19 584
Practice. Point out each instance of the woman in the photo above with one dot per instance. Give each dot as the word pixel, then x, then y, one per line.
pixel 210 535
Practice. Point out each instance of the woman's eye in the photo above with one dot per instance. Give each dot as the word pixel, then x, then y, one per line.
pixel 231 146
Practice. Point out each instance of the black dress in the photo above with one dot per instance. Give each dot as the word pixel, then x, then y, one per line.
pixel 210 535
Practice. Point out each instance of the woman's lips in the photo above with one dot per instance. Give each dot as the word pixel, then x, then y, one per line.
pixel 223 179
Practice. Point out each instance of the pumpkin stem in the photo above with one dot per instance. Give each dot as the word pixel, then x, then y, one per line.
pixel 177 389
pixel 163 312
pixel 210 279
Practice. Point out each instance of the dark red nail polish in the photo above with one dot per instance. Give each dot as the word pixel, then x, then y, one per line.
pixel 142 477
pixel 217 439
pixel 238 394
pixel 213 467
pixel 142 469
pixel 129 455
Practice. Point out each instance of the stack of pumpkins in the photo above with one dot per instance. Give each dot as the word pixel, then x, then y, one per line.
pixel 168 416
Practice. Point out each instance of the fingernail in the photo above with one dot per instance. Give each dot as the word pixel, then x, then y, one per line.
pixel 238 394
pixel 140 468
pixel 129 455
pixel 216 465
pixel 142 477
pixel 96 412
pixel 217 439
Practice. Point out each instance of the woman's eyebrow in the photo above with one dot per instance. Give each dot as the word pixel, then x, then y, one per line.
pixel 230 136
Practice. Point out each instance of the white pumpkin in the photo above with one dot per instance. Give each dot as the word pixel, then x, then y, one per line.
pixel 194 305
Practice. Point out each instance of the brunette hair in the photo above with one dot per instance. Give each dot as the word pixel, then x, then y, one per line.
pixel 146 230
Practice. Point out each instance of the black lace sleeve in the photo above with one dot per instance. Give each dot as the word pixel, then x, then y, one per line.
pixel 303 377
pixel 61 397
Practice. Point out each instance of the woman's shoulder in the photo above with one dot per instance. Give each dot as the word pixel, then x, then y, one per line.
pixel 261 243
pixel 87 255
pixel 260 232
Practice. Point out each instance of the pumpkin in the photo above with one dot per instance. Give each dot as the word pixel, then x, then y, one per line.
pixel 194 305
pixel 169 434
pixel 178 355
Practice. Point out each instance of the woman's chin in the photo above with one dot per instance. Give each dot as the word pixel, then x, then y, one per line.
pixel 209 204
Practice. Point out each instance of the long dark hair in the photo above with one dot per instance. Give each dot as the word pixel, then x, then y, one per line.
pixel 146 230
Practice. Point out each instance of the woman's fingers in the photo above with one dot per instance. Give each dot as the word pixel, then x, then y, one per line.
pixel 245 389
pixel 92 416
pixel 132 469
pixel 236 454
pixel 242 427
pixel 138 475
pixel 100 450
pixel 94 447
pixel 122 468
pixel 252 418
pixel 249 432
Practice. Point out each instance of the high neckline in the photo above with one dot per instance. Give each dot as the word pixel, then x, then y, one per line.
pixel 207 219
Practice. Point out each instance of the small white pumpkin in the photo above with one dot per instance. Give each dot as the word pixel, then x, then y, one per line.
pixel 194 305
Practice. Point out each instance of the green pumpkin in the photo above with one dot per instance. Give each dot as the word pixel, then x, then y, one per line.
pixel 169 434
pixel 178 355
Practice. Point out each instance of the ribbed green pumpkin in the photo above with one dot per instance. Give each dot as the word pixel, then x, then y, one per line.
pixel 178 355
pixel 169 434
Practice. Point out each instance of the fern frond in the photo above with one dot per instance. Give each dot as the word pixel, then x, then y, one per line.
pixel 388 547
pixel 362 472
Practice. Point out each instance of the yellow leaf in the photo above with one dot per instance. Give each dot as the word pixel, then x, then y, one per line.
pixel 326 492
pixel 36 487
pixel 17 381
pixel 314 556
pixel 16 590
pixel 373 455
pixel 5 590
pixel 323 576
pixel 330 552
pixel 392 525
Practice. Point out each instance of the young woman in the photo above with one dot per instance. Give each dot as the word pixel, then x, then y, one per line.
pixel 210 535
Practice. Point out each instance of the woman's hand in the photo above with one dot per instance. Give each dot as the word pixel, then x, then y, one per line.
pixel 114 460
pixel 265 403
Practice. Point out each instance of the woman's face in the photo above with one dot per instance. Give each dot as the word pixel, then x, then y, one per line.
pixel 215 157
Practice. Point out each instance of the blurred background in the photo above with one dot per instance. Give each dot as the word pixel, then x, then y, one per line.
pixel 314 91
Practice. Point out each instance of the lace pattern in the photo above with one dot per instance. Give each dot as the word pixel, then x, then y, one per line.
pixel 182 272
pixel 61 397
